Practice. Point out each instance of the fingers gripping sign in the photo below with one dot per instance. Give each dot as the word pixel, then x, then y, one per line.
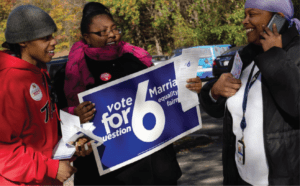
pixel 85 111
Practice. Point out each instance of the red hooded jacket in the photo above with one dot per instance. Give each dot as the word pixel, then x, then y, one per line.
pixel 28 127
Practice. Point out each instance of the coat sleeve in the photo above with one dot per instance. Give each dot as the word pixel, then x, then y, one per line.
pixel 19 162
pixel 214 109
pixel 281 70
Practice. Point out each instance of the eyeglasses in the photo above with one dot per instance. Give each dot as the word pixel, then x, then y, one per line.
pixel 116 31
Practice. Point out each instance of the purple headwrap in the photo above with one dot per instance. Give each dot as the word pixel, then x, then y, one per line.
pixel 284 6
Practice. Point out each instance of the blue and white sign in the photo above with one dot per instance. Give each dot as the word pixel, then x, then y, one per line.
pixel 138 115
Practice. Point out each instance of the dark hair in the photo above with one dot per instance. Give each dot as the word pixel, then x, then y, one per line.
pixel 15 48
pixel 91 10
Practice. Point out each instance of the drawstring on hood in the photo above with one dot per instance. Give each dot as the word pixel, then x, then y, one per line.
pixel 46 78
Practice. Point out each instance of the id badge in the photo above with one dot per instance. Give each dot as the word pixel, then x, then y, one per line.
pixel 241 152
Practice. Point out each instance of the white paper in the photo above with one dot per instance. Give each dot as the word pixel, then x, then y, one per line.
pixel 68 121
pixel 197 52
pixel 186 68
pixel 71 131
pixel 88 126
pixel 62 151
pixel 83 133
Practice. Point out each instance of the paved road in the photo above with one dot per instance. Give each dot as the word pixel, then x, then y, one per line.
pixel 199 154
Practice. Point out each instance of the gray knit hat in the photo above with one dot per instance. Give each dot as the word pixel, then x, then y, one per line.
pixel 27 23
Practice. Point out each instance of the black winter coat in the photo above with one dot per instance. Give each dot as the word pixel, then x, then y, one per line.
pixel 280 71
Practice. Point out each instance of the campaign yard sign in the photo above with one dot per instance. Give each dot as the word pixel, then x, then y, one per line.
pixel 138 115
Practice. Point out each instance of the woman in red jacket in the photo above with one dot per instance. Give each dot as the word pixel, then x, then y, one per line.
pixel 28 130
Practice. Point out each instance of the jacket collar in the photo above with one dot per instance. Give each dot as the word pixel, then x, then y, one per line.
pixel 289 35
pixel 249 53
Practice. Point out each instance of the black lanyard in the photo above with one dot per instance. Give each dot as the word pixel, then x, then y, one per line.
pixel 249 84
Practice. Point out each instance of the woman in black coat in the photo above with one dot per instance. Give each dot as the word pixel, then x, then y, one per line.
pixel 261 109
pixel 99 58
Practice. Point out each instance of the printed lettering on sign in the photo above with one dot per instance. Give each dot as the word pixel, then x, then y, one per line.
pixel 138 115
pixel 109 119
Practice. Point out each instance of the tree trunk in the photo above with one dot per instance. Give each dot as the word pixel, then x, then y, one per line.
pixel 138 38
pixel 158 46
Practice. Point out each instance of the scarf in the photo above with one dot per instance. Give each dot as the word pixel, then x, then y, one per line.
pixel 109 52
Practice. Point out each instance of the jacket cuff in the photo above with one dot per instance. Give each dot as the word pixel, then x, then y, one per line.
pixel 52 168
pixel 211 97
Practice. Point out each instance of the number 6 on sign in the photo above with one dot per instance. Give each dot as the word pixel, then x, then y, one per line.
pixel 141 108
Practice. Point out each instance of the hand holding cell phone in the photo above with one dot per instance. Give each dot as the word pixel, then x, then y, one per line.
pixel 271 39
pixel 271 36
pixel 280 22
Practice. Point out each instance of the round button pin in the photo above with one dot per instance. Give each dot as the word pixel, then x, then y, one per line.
pixel 105 76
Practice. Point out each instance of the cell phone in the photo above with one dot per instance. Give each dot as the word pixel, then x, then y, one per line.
pixel 281 23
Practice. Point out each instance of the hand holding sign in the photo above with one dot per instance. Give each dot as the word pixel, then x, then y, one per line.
pixel 139 120
pixel 85 111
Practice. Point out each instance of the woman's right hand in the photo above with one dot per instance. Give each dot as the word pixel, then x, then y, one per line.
pixel 85 111
pixel 226 86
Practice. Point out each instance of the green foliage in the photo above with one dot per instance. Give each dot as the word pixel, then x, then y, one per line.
pixel 232 31
pixel 297 8
pixel 5 8
pixel 213 22
pixel 65 14
pixel 159 26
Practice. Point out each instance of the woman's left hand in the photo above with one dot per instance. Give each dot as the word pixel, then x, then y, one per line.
pixel 272 39
pixel 194 84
